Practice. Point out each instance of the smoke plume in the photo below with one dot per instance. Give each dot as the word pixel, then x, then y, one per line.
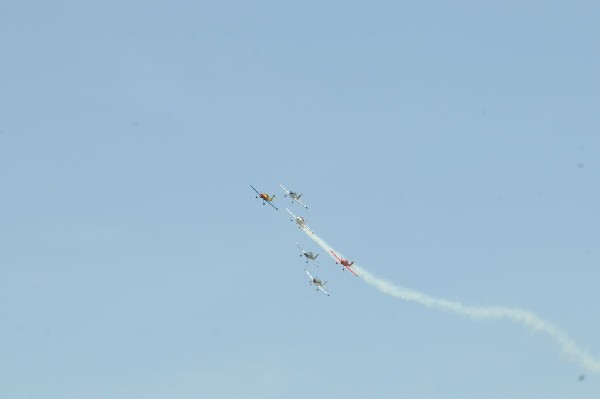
pixel 528 319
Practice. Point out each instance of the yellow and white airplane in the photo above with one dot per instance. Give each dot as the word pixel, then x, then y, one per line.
pixel 265 197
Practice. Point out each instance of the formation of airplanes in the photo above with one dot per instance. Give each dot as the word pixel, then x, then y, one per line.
pixel 301 223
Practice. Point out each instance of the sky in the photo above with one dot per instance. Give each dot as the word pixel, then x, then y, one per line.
pixel 448 148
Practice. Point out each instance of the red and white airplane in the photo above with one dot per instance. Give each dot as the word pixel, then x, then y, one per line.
pixel 345 262
pixel 265 197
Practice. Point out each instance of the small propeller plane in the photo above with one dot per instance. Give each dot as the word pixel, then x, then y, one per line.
pixel 299 221
pixel 265 197
pixel 309 255
pixel 345 263
pixel 317 283
pixel 294 196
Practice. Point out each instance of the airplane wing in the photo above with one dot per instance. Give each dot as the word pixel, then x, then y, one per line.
pixel 290 212
pixel 284 189
pixel 322 289
pixel 254 189
pixel 335 256
pixel 351 270
pixel 269 202
pixel 302 203
pixel 307 229
pixel 300 247
pixel 311 277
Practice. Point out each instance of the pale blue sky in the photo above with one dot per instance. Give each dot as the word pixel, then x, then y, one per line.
pixel 449 148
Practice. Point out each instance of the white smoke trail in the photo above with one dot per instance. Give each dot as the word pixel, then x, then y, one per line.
pixel 529 319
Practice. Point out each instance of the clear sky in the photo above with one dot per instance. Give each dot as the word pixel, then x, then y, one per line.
pixel 452 149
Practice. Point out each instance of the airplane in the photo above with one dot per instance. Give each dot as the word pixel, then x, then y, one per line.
pixel 265 197
pixel 320 285
pixel 294 196
pixel 299 221
pixel 309 255
pixel 345 263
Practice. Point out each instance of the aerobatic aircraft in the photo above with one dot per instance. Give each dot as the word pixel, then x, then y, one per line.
pixel 294 196
pixel 309 255
pixel 299 221
pixel 317 283
pixel 347 264
pixel 265 197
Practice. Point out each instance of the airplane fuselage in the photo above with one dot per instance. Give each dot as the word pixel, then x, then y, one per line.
pixel 266 197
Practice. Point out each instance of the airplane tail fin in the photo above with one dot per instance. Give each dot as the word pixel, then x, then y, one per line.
pixel 316 256
pixel 272 198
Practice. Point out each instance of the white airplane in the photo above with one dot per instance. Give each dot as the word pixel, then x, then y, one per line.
pixel 294 196
pixel 309 255
pixel 299 221
pixel 320 285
